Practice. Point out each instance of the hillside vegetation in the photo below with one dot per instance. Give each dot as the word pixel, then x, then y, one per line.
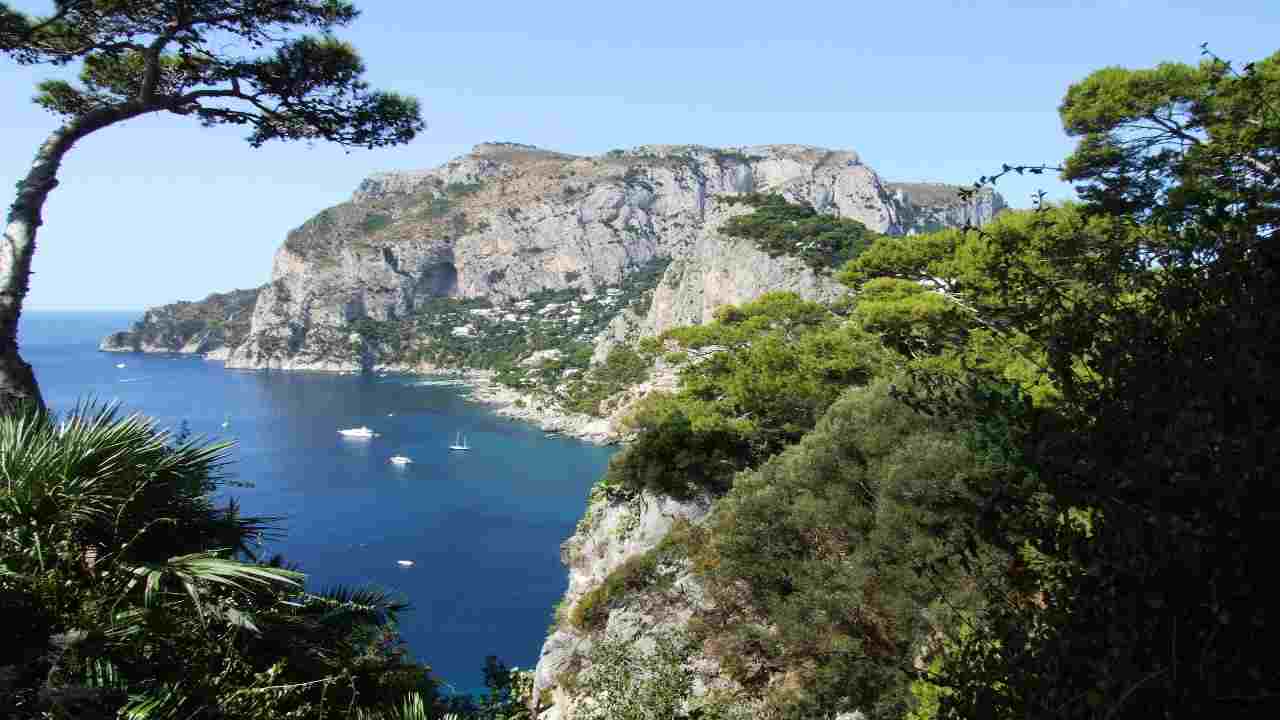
pixel 1023 471
pixel 1016 474
pixel 219 320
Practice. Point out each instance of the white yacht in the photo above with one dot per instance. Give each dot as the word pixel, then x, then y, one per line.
pixel 405 563
pixel 359 432
pixel 120 365
pixel 460 443
pixel 400 460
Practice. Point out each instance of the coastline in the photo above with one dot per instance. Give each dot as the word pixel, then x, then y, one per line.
pixel 508 402
pixel 480 387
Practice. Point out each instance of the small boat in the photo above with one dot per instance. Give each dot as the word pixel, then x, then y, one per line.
pixel 399 460
pixel 226 421
pixel 120 365
pixel 359 432
pixel 405 563
pixel 391 414
pixel 460 443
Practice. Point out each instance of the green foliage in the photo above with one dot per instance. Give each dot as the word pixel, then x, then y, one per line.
pixel 1133 495
pixel 373 222
pixel 309 87
pixel 508 695
pixel 811 561
pixel 622 368
pixel 760 377
pixel 225 317
pixel 563 320
pixel 129 590
pixel 1178 144
pixel 779 228
pixel 625 682
pixel 681 449
pixel 635 573
pixel 462 189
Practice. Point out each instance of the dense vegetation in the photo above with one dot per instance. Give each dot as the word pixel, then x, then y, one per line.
pixel 1026 471
pixel 778 227
pixel 757 379
pixel 1050 490
pixel 622 368
pixel 125 589
pixel 474 333
pixel 811 560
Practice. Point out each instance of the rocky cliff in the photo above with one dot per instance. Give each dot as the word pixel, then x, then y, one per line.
pixel 539 258
pixel 611 534
pixel 457 265
pixel 211 326
pixel 507 222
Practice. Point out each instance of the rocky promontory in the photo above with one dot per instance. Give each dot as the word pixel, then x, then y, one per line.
pixel 510 251
pixel 212 326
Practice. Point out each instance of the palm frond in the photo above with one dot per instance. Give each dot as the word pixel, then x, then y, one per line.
pixel 191 575
pixel 98 479
pixel 103 674
pixel 159 703
pixel 342 605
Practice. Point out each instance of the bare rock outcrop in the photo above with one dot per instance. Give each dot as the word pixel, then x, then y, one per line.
pixel 507 221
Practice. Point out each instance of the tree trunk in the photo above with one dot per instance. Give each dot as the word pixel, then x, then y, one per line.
pixel 17 382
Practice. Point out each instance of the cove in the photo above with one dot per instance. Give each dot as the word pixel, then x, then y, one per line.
pixel 482 527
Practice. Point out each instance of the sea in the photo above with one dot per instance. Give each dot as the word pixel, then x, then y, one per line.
pixel 482 527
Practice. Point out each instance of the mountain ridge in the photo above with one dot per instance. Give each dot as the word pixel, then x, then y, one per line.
pixel 507 221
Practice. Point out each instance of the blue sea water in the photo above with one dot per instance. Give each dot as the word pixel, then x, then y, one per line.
pixel 483 527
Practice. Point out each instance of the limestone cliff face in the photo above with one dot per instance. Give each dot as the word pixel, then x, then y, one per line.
pixel 608 535
pixel 208 326
pixel 507 220
pixel 925 207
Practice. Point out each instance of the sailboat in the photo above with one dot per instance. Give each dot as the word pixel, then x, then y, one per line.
pixel 460 443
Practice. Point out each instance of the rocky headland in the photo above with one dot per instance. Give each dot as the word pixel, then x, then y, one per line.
pixel 210 327
pixel 515 271
pixel 512 250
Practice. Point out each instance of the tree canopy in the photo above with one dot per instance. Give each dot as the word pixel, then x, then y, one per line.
pixel 1152 306
pixel 1103 377
pixel 221 62
pixel 144 56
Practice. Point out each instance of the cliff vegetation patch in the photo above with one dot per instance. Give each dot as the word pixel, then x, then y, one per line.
pixel 779 227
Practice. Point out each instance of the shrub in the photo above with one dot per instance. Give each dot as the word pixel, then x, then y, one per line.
pixel 826 541
pixel 626 683
pixel 462 189
pixel 778 227
pixel 373 222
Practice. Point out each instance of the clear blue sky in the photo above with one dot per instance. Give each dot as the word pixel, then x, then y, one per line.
pixel 161 209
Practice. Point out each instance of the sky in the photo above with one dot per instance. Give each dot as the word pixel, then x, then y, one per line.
pixel 160 209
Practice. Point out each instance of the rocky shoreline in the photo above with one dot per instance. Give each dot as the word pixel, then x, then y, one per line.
pixel 508 402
